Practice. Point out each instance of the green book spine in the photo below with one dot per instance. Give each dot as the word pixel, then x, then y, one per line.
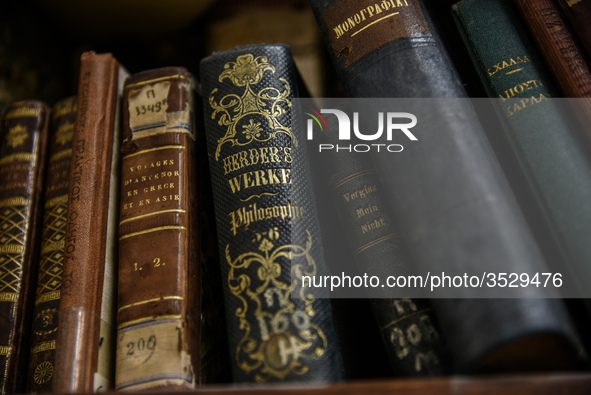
pixel 537 128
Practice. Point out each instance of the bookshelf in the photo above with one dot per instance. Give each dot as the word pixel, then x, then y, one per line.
pixel 58 34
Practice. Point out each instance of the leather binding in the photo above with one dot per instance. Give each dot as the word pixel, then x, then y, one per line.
pixel 560 178
pixel 158 316
pixel 25 127
pixel 558 46
pixel 447 192
pixel 51 254
pixel 407 326
pixel 268 235
pixel 578 13
pixel 85 342
pixel 563 54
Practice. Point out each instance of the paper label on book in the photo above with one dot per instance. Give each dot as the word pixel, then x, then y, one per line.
pixel 152 353
pixel 147 107
pixel 355 28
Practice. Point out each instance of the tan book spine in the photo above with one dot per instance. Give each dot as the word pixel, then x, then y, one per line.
pixel 158 316
pixel 22 168
pixel 85 327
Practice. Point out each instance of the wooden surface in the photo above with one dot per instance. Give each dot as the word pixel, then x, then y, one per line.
pixel 551 384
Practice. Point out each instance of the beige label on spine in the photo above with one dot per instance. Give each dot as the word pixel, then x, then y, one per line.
pixel 151 353
pixel 147 107
pixel 357 27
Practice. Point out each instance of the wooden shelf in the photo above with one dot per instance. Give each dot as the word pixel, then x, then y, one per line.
pixel 548 384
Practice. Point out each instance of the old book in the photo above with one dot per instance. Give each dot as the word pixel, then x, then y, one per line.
pixel 558 46
pixel 158 316
pixel 49 279
pixel 446 190
pixel 25 127
pixel 278 328
pixel 539 131
pixel 578 12
pixel 354 196
pixel 563 54
pixel 85 343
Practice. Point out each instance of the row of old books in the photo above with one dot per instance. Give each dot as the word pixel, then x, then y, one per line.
pixel 128 295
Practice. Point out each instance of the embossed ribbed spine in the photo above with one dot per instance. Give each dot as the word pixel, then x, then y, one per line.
pixel 279 329
pixel 24 140
pixel 85 340
pixel 158 316
pixel 45 315
pixel 557 45
pixel 578 12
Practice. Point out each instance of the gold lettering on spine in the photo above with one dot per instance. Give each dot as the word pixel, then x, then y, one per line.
pixel 278 336
pixel 508 63
pixel 519 93
pixel 372 14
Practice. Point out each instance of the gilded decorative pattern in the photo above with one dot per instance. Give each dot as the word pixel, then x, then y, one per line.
pixel 43 372
pixel 285 335
pixel 64 133
pixel 254 116
pixel 19 157
pixel 17 136
pixel 13 227
pixel 52 250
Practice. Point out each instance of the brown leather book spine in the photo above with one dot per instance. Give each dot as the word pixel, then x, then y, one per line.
pixel 86 314
pixel 558 46
pixel 22 168
pixel 47 298
pixel 578 13
pixel 158 316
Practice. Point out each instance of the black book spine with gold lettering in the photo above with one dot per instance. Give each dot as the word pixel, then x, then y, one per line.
pixel 22 168
pixel 51 255
pixel 268 233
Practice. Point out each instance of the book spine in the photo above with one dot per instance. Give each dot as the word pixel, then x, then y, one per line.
pixel 456 207
pixel 578 12
pixel 558 47
pixel 86 314
pixel 268 233
pixel 407 326
pixel 534 125
pixel 362 37
pixel 158 316
pixel 24 139
pixel 47 298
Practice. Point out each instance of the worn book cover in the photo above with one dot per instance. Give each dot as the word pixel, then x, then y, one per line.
pixel 47 297
pixel 158 313
pixel 86 330
pixel 24 140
